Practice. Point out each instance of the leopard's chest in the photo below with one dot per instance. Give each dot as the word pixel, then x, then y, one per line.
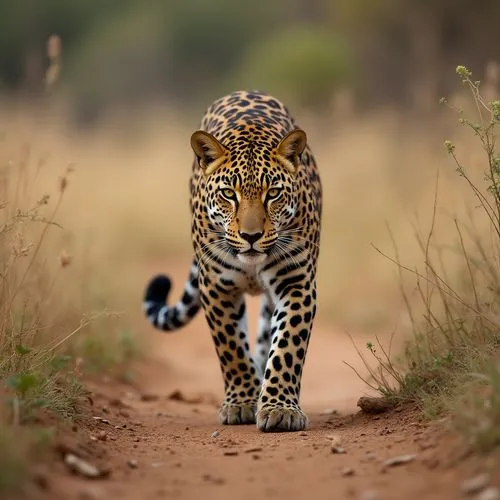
pixel 247 281
pixel 253 285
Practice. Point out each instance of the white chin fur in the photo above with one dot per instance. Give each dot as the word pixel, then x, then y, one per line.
pixel 252 259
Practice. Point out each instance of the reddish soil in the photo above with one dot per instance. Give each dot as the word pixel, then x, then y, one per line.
pixel 178 455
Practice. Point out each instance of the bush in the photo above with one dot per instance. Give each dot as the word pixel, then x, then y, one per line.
pixel 31 366
pixel 303 66
pixel 452 363
pixel 38 318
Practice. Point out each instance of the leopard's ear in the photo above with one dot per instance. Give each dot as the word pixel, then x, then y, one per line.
pixel 290 148
pixel 209 151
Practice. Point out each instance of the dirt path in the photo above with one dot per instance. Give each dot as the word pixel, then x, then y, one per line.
pixel 179 451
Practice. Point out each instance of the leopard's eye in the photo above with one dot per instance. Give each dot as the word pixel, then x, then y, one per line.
pixel 229 194
pixel 273 193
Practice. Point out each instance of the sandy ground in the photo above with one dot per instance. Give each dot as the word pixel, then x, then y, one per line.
pixel 160 439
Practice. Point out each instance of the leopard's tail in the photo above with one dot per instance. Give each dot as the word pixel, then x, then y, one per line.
pixel 169 318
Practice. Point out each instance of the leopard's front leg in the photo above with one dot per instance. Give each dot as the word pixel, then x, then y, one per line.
pixel 226 318
pixel 278 407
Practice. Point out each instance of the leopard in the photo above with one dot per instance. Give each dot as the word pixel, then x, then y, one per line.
pixel 255 204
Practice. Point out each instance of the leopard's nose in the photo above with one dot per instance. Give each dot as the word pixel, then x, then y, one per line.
pixel 251 237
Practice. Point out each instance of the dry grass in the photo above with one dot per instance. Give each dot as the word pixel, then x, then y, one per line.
pixel 129 204
pixel 30 364
pixel 43 307
pixel 33 372
pixel 452 361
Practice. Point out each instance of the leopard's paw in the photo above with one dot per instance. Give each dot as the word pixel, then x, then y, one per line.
pixel 236 414
pixel 276 418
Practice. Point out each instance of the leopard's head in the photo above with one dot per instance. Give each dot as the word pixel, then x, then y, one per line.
pixel 251 192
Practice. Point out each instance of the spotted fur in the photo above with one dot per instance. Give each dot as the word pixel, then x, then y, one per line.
pixel 256 216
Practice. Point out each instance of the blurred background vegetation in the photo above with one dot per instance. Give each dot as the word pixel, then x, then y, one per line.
pixel 124 53
pixel 362 77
